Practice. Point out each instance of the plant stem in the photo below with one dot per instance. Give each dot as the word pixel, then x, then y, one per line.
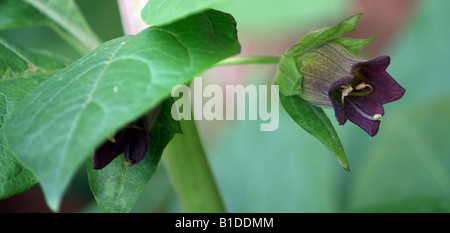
pixel 249 60
pixel 80 30
pixel 76 44
pixel 189 172
pixel 184 157
pixel 130 11
pixel 187 164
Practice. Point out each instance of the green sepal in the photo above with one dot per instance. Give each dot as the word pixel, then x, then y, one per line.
pixel 289 78
pixel 319 37
pixel 351 44
pixel 314 121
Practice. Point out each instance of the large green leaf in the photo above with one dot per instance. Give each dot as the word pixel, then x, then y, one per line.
pixel 67 117
pixel 158 12
pixel 314 121
pixel 17 62
pixel 14 178
pixel 117 186
pixel 21 70
pixel 15 13
pixel 67 16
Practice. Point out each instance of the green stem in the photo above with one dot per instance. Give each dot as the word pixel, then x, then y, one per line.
pixel 249 60
pixel 187 164
pixel 76 44
pixel 77 29
pixel 189 172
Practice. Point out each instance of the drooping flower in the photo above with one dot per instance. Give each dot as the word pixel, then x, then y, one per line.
pixel 132 141
pixel 355 88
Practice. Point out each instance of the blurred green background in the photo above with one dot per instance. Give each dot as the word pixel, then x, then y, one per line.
pixel 405 168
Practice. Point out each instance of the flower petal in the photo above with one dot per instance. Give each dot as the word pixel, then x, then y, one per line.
pixel 136 146
pixel 385 88
pixel 356 111
pixel 361 109
pixel 106 153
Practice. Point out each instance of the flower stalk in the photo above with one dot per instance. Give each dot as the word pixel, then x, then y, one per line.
pixel 184 157
pixel 189 172
pixel 258 60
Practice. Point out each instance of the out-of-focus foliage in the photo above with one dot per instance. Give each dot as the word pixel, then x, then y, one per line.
pixel 272 18
pixel 19 14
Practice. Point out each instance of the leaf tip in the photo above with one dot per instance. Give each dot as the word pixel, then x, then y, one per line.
pixel 345 165
pixel 371 39
pixel 356 17
pixel 54 205
pixel 52 197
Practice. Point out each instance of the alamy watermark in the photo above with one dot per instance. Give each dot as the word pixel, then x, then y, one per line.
pixel 236 103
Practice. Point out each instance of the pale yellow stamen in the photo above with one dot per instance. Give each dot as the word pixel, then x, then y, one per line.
pixel 359 90
pixel 111 138
pixel 345 91
pixel 361 86
pixel 128 162
pixel 377 117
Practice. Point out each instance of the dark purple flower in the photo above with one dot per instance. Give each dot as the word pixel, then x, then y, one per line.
pixel 354 88
pixel 132 141
pixel 360 98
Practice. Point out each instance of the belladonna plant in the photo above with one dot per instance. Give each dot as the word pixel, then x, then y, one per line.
pixel 96 103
